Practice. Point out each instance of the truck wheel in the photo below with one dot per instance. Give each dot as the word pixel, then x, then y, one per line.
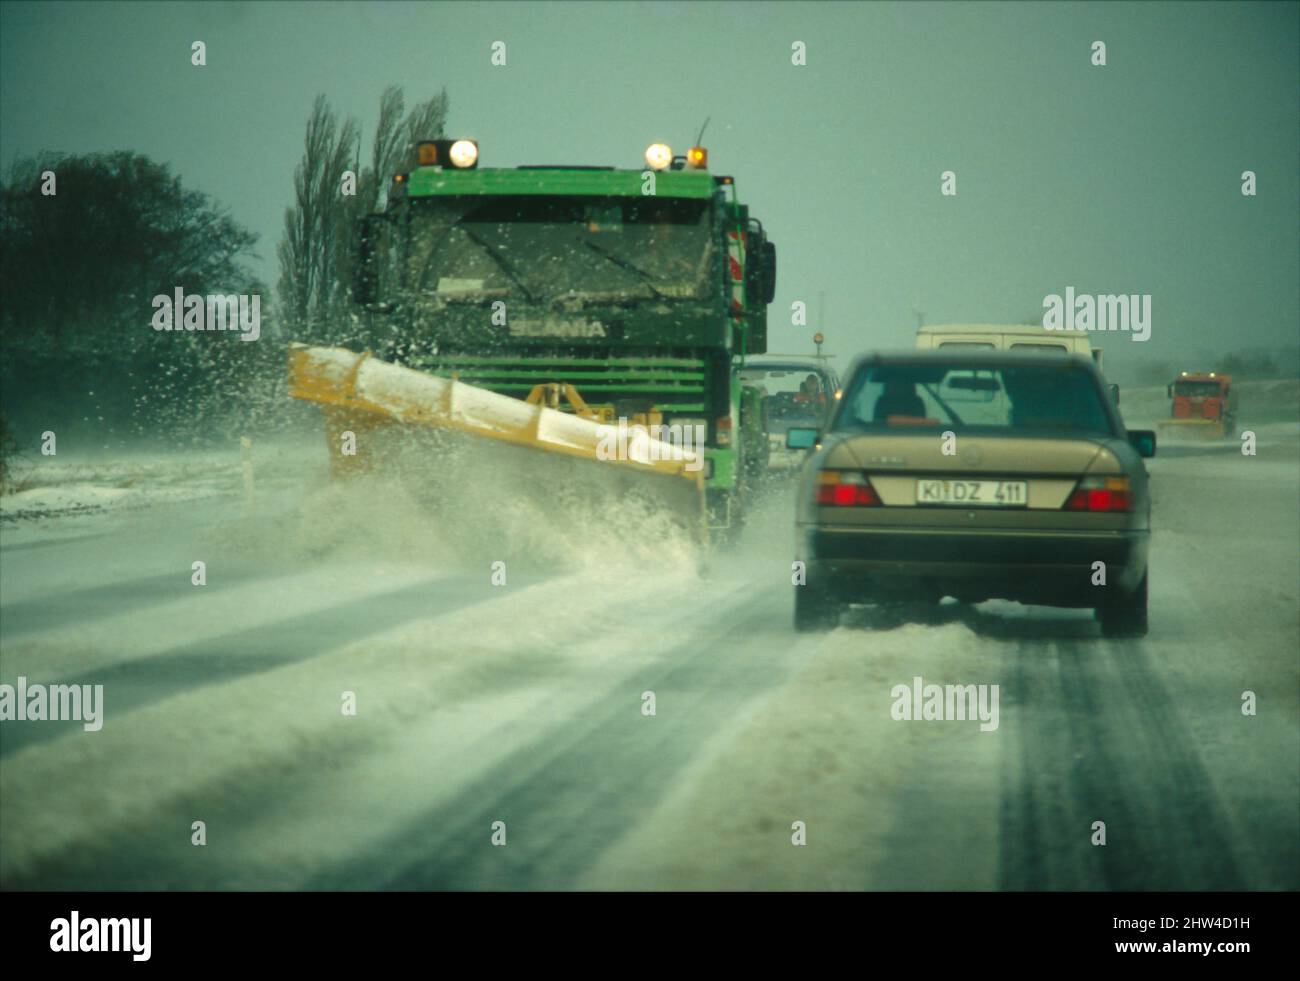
pixel 1127 616
pixel 727 516
pixel 814 611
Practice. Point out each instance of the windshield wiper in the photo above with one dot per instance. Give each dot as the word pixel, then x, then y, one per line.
pixel 624 264
pixel 500 260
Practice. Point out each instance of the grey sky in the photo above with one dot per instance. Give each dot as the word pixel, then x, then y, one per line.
pixel 1123 178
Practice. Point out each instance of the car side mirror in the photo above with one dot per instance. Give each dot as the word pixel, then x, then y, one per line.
pixel 797 438
pixel 1144 441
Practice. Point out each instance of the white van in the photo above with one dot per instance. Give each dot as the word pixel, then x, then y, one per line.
pixel 1010 337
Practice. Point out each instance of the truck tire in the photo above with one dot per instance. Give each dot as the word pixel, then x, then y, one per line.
pixel 814 610
pixel 1127 615
pixel 727 515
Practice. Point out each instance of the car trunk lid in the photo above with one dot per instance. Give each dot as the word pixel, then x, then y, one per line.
pixel 1048 467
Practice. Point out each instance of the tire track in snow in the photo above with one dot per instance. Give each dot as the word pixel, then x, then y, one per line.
pixel 141 681
pixel 239 753
pixel 594 775
pixel 1096 737
pixel 135 596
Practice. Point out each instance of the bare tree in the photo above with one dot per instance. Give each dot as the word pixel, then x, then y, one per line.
pixel 317 252
pixel 425 121
pixel 310 225
pixel 386 151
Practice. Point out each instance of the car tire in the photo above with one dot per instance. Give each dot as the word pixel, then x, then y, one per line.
pixel 814 611
pixel 1127 616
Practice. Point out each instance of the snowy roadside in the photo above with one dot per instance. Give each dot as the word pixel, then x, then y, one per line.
pixel 71 485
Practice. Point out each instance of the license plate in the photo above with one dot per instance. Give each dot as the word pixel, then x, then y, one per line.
pixel 973 493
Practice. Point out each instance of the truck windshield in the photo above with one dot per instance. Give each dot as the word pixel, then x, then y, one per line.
pixel 548 248
pixel 1021 398
pixel 795 393
pixel 1196 390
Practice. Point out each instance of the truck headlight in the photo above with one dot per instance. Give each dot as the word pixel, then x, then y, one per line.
pixel 658 156
pixel 463 153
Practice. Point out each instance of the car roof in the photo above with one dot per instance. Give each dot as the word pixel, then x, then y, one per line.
pixel 1033 330
pixel 800 358
pixel 803 364
pixel 972 357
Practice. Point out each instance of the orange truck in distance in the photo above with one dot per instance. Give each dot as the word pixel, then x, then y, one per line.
pixel 1204 406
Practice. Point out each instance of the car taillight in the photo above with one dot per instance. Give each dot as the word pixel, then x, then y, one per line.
pixel 845 489
pixel 1101 494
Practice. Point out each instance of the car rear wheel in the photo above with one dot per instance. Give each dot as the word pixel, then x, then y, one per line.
pixel 1127 616
pixel 814 611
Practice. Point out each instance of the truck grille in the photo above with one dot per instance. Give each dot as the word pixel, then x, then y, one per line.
pixel 675 385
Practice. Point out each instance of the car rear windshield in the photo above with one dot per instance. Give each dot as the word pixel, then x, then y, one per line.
pixel 1018 398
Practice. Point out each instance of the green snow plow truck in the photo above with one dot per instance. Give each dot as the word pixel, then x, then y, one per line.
pixel 620 297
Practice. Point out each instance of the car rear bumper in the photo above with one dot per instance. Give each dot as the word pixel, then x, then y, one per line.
pixel 1055 567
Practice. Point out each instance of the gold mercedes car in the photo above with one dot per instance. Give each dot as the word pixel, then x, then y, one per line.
pixel 976 475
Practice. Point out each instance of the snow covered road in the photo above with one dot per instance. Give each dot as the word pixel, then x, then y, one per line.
pixel 523 704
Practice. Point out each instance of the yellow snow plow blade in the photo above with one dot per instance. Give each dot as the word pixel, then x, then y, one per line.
pixel 1190 429
pixel 366 401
